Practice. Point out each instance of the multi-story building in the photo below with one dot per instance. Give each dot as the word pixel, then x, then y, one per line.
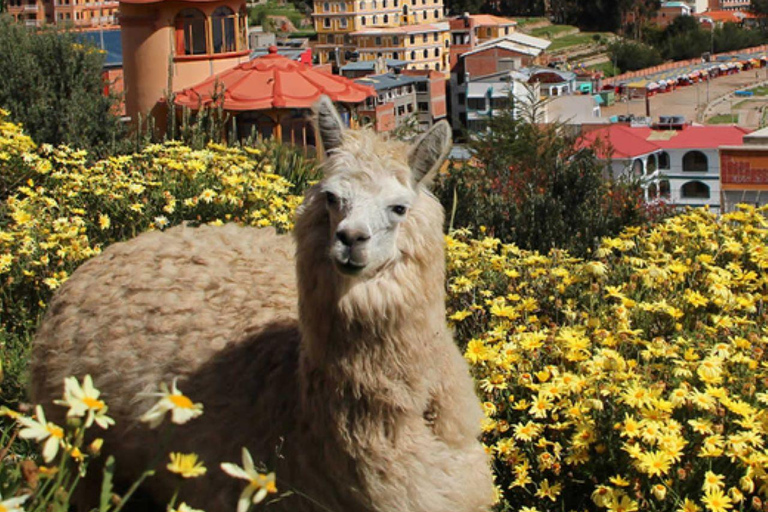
pixel 730 5
pixel 409 30
pixel 78 13
pixel 404 96
pixel 472 30
pixel 676 162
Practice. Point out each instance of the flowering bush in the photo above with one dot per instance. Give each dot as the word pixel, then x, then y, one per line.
pixel 632 381
pixel 57 211
pixel 635 381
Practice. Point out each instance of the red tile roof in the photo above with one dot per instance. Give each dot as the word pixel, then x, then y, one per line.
pixel 273 81
pixel 630 142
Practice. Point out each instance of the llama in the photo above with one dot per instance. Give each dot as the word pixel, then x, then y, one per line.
pixel 328 357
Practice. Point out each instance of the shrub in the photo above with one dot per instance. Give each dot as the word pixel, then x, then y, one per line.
pixel 633 55
pixel 633 382
pixel 536 186
pixel 53 85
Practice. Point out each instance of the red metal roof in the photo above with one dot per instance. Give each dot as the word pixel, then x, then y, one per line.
pixel 630 142
pixel 273 81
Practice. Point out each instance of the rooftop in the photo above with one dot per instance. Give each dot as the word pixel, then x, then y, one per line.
pixel 631 142
pixel 389 81
pixel 368 65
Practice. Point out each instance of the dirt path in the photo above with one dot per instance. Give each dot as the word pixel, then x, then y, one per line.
pixel 687 101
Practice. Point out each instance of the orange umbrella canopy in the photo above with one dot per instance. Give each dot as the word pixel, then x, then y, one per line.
pixel 272 81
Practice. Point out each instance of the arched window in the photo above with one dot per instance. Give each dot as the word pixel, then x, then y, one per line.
pixel 637 168
pixel 437 52
pixel 375 19
pixel 342 6
pixel 362 5
pixel 326 7
pixel 363 20
pixel 664 160
pixel 695 161
pixel 413 55
pixel 383 4
pixel 664 189
pixel 223 24
pixel 426 53
pixel 694 190
pixel 437 14
pixel 190 33
pixel 386 18
pixel 650 165
pixel 653 191
pixel 396 55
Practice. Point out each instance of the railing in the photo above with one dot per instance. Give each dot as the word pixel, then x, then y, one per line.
pixel 30 7
pixel 33 23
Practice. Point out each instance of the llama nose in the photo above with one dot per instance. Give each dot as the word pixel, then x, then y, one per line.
pixel 351 237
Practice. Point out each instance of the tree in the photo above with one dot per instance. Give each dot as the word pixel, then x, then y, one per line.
pixel 631 55
pixel 52 83
pixel 536 186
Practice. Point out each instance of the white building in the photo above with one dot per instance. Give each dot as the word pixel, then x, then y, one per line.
pixel 676 163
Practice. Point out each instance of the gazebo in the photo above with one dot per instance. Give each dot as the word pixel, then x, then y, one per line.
pixel 272 95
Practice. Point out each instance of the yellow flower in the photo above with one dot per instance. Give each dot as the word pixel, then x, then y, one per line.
pixel 182 409
pixel 186 465
pixel 41 430
pixel 259 484
pixel 183 507
pixel 548 491
pixel 712 481
pixel 84 401
pixel 655 463
pixel 717 501
pixel 688 506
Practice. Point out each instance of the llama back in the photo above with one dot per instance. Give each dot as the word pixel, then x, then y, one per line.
pixel 160 306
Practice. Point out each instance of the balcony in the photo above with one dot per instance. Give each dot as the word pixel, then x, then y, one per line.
pixel 30 8
pixel 33 23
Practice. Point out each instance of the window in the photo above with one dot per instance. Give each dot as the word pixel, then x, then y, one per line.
pixel 694 190
pixel 400 110
pixel 362 5
pixel 326 7
pixel 476 103
pixel 386 18
pixel 437 52
pixel 651 165
pixel 653 191
pixel 695 161
pixel 424 38
pixel 447 43
pixel 342 6
pixel 223 25
pixel 375 19
pixel 426 54
pixel 378 54
pixel 396 55
pixel 413 55
pixel 362 20
pixel 423 106
pixel 424 14
pixel 437 15
pixel 395 40
pixel 343 22
pixel 421 86
pixel 664 160
pixel 664 189
pixel 413 39
pixel 384 4
pixel 190 32
pixel 326 22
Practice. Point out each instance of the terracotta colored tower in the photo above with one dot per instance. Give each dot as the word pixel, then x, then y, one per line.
pixel 170 45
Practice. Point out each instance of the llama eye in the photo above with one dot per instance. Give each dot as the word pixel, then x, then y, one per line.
pixel 399 209
pixel 331 199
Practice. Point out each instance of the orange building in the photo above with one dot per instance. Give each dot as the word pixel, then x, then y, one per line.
pixel 78 13
pixel 172 45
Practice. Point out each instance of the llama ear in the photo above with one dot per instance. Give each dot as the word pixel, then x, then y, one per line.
pixel 429 152
pixel 329 127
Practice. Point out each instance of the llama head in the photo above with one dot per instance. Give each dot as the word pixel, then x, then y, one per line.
pixel 370 188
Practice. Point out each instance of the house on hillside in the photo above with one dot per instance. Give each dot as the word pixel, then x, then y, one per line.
pixel 669 11
pixel 676 162
pixel 744 172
